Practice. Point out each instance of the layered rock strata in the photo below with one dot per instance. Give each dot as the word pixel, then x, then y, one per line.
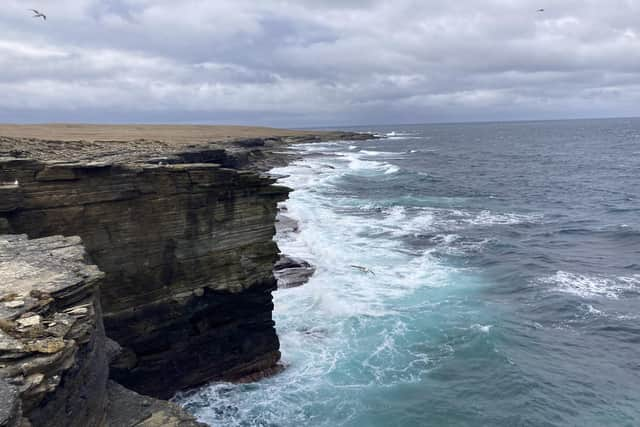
pixel 54 356
pixel 182 230
pixel 187 250
pixel 51 333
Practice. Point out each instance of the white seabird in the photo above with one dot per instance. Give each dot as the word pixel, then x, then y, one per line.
pixel 363 269
pixel 37 14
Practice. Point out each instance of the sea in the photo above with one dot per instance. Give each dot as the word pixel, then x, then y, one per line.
pixel 482 274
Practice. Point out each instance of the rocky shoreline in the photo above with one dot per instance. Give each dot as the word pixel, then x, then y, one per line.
pixel 181 235
pixel 53 348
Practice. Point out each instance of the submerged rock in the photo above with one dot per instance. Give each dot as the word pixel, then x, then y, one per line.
pixel 291 272
pixel 286 224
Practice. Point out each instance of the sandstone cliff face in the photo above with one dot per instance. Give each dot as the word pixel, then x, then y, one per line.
pixel 51 336
pixel 187 253
pixel 54 356
pixel 181 224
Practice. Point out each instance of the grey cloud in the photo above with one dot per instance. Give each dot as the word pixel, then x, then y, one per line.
pixel 314 62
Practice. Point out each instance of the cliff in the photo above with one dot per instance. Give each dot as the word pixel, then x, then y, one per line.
pixel 54 353
pixel 182 228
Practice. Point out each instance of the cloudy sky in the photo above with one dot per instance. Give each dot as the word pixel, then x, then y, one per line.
pixel 318 62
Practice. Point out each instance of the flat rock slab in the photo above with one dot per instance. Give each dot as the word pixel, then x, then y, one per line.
pixel 52 265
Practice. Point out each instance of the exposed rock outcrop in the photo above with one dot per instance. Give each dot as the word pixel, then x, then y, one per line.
pixel 54 359
pixel 183 233
pixel 10 406
pixel 291 272
pixel 51 334
pixel 188 254
pixel 128 408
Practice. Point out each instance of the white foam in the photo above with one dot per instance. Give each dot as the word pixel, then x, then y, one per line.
pixel 456 219
pixel 489 218
pixel 593 311
pixel 454 244
pixel 394 133
pixel 445 239
pixel 391 169
pixel 586 286
pixel 378 153
pixel 399 222
pixel 485 329
pixel 357 163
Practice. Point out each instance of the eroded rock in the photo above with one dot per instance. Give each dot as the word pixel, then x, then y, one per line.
pixel 128 408
pixel 59 372
pixel 54 356
pixel 188 253
pixel 291 272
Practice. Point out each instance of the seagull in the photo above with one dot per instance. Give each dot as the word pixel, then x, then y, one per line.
pixel 37 14
pixel 540 10
pixel 363 269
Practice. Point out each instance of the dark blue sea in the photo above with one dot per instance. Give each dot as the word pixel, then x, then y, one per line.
pixel 504 287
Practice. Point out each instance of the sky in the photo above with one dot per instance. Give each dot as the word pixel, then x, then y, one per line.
pixel 308 63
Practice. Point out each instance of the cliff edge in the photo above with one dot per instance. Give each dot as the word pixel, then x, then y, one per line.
pixel 182 228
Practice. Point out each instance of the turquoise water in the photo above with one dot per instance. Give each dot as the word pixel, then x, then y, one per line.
pixel 506 262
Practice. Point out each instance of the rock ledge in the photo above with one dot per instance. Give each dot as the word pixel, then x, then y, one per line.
pixel 53 351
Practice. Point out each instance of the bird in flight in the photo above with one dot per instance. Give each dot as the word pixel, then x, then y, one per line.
pixel 37 14
pixel 540 10
pixel 363 269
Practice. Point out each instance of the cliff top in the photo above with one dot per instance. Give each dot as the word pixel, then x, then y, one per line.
pixel 175 134
pixel 126 143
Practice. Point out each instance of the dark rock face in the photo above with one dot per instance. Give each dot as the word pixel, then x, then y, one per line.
pixel 215 334
pixel 188 254
pixel 128 408
pixel 53 349
pixel 10 406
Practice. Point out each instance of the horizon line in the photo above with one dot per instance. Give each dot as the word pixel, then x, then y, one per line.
pixel 455 122
pixel 318 127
